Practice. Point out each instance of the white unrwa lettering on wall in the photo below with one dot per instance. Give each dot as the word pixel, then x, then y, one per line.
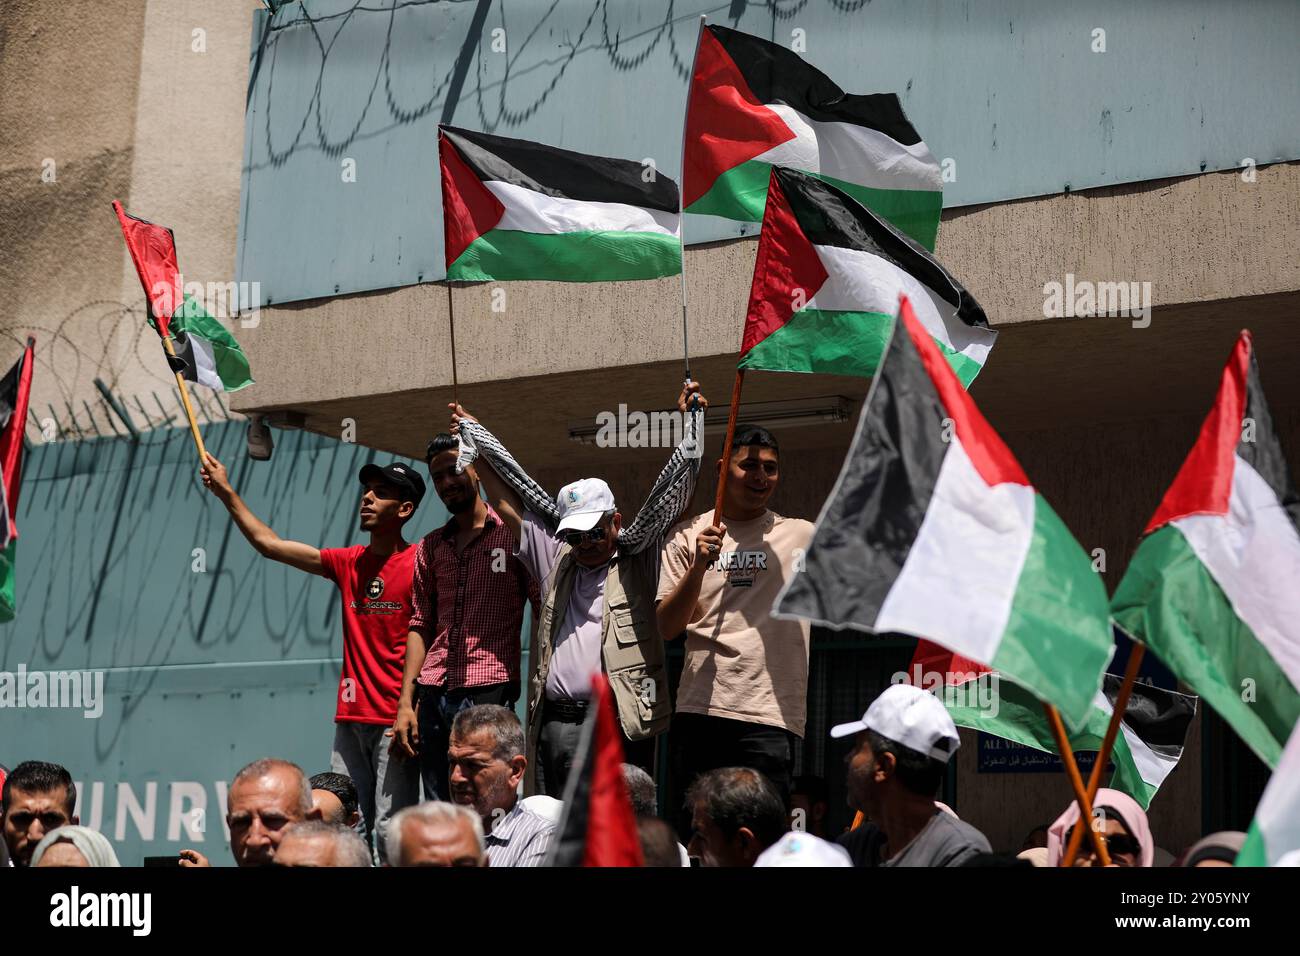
pixel 135 810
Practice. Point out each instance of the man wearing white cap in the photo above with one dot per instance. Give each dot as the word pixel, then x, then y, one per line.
pixel 597 579
pixel 901 751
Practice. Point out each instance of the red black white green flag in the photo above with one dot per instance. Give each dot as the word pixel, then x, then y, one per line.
pixel 206 352
pixel 514 209
pixel 15 393
pixel 598 827
pixel 1214 588
pixel 934 530
pixel 826 284
pixel 754 104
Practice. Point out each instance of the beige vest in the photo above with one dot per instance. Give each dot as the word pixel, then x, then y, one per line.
pixel 631 650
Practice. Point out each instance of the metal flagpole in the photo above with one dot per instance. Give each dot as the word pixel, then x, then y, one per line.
pixel 451 318
pixel 681 206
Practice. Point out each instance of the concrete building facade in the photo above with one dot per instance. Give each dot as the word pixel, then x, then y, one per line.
pixel 1100 410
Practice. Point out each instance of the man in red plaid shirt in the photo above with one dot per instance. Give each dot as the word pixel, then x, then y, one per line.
pixel 468 595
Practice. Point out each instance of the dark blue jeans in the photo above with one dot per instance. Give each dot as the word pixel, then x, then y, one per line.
pixel 437 710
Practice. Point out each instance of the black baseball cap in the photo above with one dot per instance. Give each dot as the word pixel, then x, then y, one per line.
pixel 398 474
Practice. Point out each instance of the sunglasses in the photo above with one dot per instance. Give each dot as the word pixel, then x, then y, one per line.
pixel 575 538
pixel 1117 844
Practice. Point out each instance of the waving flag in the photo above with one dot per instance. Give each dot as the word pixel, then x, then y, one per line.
pixel 1214 588
pixel 15 393
pixel 153 251
pixel 1274 835
pixel 519 210
pixel 1152 734
pixel 755 104
pixel 598 827
pixel 933 529
pixel 826 285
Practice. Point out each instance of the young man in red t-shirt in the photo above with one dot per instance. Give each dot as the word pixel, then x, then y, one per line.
pixel 374 582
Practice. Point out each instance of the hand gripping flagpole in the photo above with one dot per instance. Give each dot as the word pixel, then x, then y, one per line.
pixel 1135 654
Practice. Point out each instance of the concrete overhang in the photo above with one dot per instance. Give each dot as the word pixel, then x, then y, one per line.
pixel 533 359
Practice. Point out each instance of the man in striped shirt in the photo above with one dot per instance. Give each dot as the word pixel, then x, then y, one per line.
pixel 487 763
pixel 468 595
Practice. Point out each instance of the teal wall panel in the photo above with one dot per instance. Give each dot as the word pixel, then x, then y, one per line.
pixel 203 670
pixel 1010 90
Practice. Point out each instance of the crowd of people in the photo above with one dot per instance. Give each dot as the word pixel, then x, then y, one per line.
pixel 431 676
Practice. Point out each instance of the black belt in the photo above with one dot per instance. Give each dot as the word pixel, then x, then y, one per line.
pixel 568 711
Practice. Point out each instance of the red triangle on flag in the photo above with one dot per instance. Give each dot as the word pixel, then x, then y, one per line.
pixel 153 250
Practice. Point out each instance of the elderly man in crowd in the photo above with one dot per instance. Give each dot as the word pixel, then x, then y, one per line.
pixel 317 843
pixel 736 814
pixel 38 797
pixel 437 834
pixel 487 763
pixel 901 751
pixel 264 799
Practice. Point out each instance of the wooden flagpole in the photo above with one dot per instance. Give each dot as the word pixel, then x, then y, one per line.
pixel 726 445
pixel 185 400
pixel 1076 782
pixel 1135 655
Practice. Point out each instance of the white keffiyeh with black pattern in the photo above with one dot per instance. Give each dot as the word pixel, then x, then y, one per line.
pixel 667 499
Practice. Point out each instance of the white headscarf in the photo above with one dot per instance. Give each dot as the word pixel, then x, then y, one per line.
pixel 94 846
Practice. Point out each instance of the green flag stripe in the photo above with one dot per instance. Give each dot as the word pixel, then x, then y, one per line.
pixel 1057 640
pixel 1019 717
pixel 568 256
pixel 838 343
pixel 7 606
pixel 231 363
pixel 741 194
pixel 1170 602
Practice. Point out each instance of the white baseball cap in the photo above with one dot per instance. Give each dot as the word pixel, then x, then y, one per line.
pixel 582 503
pixel 803 849
pixel 910 716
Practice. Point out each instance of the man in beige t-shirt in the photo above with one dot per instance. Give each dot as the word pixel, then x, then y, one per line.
pixel 743 693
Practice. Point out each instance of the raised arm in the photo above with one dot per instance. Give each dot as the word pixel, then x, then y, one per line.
pixel 500 495
pixel 673 613
pixel 267 543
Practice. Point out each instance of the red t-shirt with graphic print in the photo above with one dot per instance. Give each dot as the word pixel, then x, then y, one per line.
pixel 376 595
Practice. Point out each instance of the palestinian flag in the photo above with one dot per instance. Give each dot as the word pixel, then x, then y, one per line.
pixel 1274 835
pixel 932 529
pixel 153 252
pixel 519 210
pixel 206 352
pixel 826 286
pixel 15 391
pixel 1213 588
pixel 754 104
pixel 597 827
pixel 1152 733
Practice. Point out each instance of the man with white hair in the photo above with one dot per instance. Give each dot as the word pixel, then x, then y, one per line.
pixel 436 834
pixel 318 843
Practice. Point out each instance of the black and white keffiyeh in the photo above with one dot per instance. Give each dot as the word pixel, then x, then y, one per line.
pixel 667 499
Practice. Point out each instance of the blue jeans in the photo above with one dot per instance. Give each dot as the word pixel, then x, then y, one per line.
pixel 384 786
pixel 435 714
